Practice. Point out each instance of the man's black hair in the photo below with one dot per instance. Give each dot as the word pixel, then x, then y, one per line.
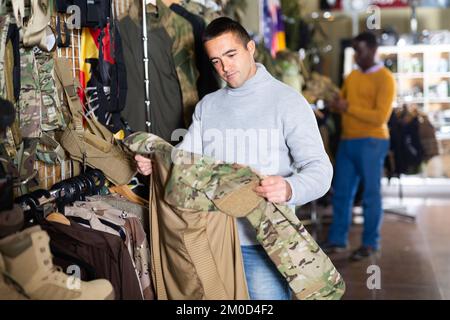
pixel 369 38
pixel 222 25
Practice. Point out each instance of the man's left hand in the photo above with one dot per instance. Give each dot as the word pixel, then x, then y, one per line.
pixel 275 189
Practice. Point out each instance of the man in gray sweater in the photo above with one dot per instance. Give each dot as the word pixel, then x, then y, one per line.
pixel 257 121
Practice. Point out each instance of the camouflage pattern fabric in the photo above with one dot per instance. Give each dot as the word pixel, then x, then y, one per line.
pixel 2 7
pixel 201 184
pixel 4 25
pixel 263 56
pixel 49 150
pixel 13 137
pixel 183 51
pixel 30 103
pixel 319 87
pixel 288 65
pixel 24 162
pixel 9 86
pixel 51 115
pixel 200 10
pixel 40 109
pixel 235 9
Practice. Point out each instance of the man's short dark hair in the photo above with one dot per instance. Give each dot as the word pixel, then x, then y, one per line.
pixel 222 25
pixel 369 38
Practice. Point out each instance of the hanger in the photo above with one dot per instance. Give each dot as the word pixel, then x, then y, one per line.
pixel 62 194
pixel 58 218
pixel 33 212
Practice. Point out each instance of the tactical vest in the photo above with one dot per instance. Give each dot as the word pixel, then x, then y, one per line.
pixel 194 190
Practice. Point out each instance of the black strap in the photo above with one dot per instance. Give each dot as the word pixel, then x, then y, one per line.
pixel 59 40
pixel 13 35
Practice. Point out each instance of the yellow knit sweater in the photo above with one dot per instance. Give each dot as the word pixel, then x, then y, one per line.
pixel 370 97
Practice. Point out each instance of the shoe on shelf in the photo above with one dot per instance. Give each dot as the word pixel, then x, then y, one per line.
pixel 364 252
pixel 330 248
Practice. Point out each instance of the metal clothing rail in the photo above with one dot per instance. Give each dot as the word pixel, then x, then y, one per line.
pixel 148 122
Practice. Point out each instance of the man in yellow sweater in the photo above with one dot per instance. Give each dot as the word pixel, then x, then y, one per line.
pixel 365 106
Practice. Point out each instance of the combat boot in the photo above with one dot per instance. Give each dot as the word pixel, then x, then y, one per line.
pixel 28 262
pixel 8 290
pixel 11 221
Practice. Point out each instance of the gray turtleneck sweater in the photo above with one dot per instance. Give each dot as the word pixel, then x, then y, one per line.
pixel 268 126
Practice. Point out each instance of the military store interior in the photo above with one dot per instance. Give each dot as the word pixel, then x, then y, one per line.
pixel 77 221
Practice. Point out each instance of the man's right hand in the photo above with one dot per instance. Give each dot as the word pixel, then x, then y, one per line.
pixel 143 164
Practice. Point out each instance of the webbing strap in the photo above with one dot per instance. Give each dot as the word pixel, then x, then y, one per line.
pixel 52 156
pixel 64 74
pixel 19 11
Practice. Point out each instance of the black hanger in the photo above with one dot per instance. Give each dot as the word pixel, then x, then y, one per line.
pixel 98 179
pixel 66 194
pixel 35 213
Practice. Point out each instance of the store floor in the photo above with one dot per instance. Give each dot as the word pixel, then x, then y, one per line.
pixel 415 256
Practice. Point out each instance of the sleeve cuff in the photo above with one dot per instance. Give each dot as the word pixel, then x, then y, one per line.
pixel 293 197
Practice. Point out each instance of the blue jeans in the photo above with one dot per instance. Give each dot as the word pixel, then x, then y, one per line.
pixel 264 281
pixel 358 160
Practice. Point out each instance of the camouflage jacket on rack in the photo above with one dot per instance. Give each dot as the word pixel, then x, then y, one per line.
pixel 17 153
pixel 8 70
pixel 198 189
pixel 39 105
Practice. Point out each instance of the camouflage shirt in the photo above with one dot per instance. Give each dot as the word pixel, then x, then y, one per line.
pixel 201 184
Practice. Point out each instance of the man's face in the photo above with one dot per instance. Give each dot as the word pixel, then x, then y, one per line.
pixel 232 60
pixel 364 55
